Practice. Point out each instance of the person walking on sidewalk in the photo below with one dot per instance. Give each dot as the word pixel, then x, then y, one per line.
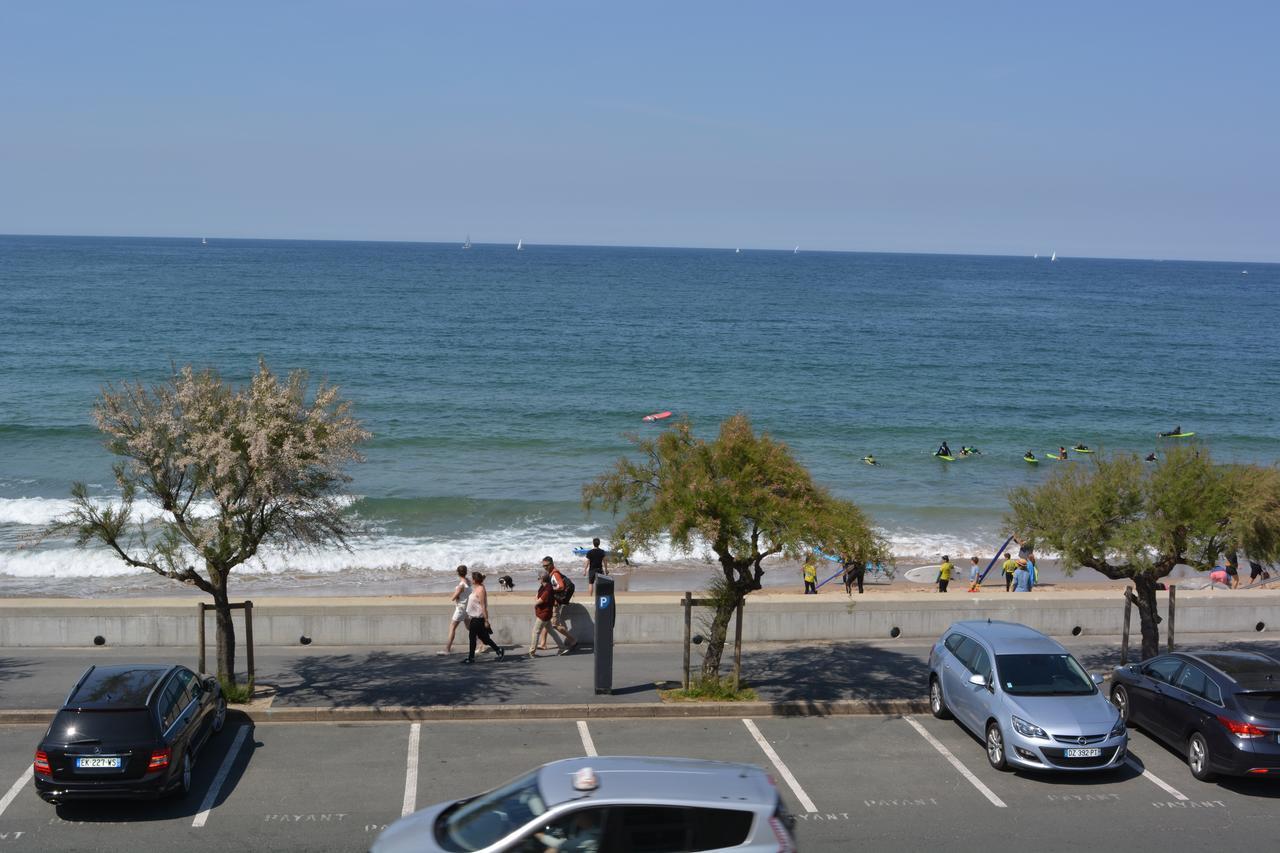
pixel 810 576
pixel 597 564
pixel 478 626
pixel 561 594
pixel 461 593
pixel 543 607
pixel 944 573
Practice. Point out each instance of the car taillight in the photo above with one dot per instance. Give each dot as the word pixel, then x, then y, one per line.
pixel 159 759
pixel 42 763
pixel 1240 729
pixel 783 837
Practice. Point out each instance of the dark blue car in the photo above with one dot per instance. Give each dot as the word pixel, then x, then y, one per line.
pixel 1220 709
pixel 130 731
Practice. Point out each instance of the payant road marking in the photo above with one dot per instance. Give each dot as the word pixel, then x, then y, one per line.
pixel 955 762
pixel 22 782
pixel 411 772
pixel 212 796
pixel 587 743
pixel 805 802
pixel 1172 791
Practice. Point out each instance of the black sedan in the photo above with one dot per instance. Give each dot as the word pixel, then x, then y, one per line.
pixel 1220 709
pixel 130 731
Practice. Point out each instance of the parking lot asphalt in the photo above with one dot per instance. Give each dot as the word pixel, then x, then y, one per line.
pixel 870 782
pixel 340 677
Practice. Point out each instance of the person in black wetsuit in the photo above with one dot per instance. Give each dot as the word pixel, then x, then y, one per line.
pixel 596 565
pixel 1177 430
pixel 1151 457
pixel 943 450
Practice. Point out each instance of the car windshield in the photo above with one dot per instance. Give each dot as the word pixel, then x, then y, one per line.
pixel 106 726
pixel 1260 704
pixel 1043 675
pixel 485 820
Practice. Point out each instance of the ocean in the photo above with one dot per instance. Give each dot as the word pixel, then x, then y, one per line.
pixel 497 382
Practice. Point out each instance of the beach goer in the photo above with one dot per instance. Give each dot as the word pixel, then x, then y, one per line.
pixel 1029 456
pixel 1081 447
pixel 943 450
pixel 870 460
pixel 1257 570
pixel 810 576
pixel 1062 452
pixel 975 575
pixel 1022 577
pixel 461 593
pixel 1177 430
pixel 944 573
pixel 561 594
pixel 597 564
pixel 1219 575
pixel 1009 566
pixel 543 606
pixel 623 547
pixel 478 627
pixel 968 450
pixel 1232 565
pixel 855 571
pixel 1151 457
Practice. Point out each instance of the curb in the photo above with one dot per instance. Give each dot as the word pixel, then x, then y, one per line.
pixel 637 710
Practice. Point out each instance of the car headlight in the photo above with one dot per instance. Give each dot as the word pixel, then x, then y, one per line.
pixel 1026 729
pixel 1119 729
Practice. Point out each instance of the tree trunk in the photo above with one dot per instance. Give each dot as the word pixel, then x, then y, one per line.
pixel 725 608
pixel 226 632
pixel 1148 614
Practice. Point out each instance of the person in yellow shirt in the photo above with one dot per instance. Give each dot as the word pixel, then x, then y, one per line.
pixel 810 576
pixel 944 573
pixel 1009 566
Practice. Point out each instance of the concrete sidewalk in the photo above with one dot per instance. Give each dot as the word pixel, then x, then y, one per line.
pixel 359 683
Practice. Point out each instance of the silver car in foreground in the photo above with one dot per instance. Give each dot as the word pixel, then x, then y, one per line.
pixel 608 803
pixel 1026 697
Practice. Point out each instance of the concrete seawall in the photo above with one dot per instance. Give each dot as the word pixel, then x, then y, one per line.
pixel 641 618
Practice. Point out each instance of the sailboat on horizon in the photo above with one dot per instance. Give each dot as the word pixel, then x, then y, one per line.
pixel 796 250
pixel 467 245
pixel 204 241
pixel 1053 257
pixel 520 245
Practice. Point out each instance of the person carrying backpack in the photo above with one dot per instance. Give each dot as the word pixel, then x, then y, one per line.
pixel 562 593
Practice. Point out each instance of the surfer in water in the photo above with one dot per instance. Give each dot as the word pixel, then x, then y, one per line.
pixel 870 460
pixel 967 450
pixel 1177 430
pixel 1062 452
pixel 1081 447
pixel 1151 457
pixel 1029 456
pixel 943 450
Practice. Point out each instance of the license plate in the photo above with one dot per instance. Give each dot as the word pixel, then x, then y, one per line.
pixel 1086 752
pixel 112 762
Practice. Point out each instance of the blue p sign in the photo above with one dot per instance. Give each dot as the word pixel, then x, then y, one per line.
pixel 604 602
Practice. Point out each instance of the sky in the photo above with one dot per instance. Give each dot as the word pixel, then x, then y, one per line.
pixel 1105 129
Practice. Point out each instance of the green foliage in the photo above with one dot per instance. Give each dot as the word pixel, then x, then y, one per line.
pixel 710 689
pixel 236 694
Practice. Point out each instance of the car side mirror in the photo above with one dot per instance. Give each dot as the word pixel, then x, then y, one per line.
pixel 1097 679
pixel 978 680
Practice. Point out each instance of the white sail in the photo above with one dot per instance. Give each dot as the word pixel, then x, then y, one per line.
pixel 1054 257
pixel 796 251
pixel 467 245
pixel 519 245
pixel 204 241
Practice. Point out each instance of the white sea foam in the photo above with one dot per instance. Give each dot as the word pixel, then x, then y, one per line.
pixel 40 512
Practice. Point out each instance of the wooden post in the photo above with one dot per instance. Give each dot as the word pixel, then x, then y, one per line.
pixel 737 647
pixel 200 635
pixel 688 632
pixel 1124 636
pixel 248 637
pixel 1173 600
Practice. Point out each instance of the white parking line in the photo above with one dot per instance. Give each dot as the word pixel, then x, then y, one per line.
pixel 805 802
pixel 1174 792
pixel 587 743
pixel 955 762
pixel 411 772
pixel 230 759
pixel 22 782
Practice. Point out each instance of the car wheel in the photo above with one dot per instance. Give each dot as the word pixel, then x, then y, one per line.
pixel 1198 758
pixel 937 704
pixel 219 715
pixel 184 780
pixel 1120 698
pixel 995 747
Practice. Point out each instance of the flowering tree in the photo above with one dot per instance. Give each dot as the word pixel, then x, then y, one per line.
pixel 744 496
pixel 233 471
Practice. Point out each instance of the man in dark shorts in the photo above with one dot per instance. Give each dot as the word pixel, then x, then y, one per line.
pixel 597 564
pixel 1233 569
pixel 1257 571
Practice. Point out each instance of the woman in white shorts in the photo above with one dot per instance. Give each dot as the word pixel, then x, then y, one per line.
pixel 461 593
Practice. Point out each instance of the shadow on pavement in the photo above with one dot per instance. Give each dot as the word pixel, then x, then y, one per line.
pixel 395 678
pixel 838 671
pixel 174 807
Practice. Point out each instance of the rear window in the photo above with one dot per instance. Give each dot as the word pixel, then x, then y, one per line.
pixel 106 726
pixel 1259 704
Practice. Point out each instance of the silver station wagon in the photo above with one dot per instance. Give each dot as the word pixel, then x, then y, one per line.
pixel 1025 695
pixel 607 803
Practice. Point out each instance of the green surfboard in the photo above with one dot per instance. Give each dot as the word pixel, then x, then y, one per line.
pixel 1176 435
pixel 948 458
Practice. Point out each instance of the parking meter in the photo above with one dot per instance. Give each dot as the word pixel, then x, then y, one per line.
pixel 606 615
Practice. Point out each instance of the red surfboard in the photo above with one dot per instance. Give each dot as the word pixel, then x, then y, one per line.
pixel 656 416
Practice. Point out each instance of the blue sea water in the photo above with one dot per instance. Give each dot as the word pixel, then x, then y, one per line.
pixel 497 382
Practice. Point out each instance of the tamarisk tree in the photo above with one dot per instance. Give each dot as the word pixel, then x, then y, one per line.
pixel 232 470
pixel 1131 520
pixel 743 496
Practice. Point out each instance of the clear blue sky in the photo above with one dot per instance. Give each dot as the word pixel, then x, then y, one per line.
pixel 1133 129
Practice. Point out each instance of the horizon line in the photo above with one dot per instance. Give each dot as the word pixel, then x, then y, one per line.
pixel 730 249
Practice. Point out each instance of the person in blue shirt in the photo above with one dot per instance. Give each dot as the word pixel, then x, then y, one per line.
pixel 1022 577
